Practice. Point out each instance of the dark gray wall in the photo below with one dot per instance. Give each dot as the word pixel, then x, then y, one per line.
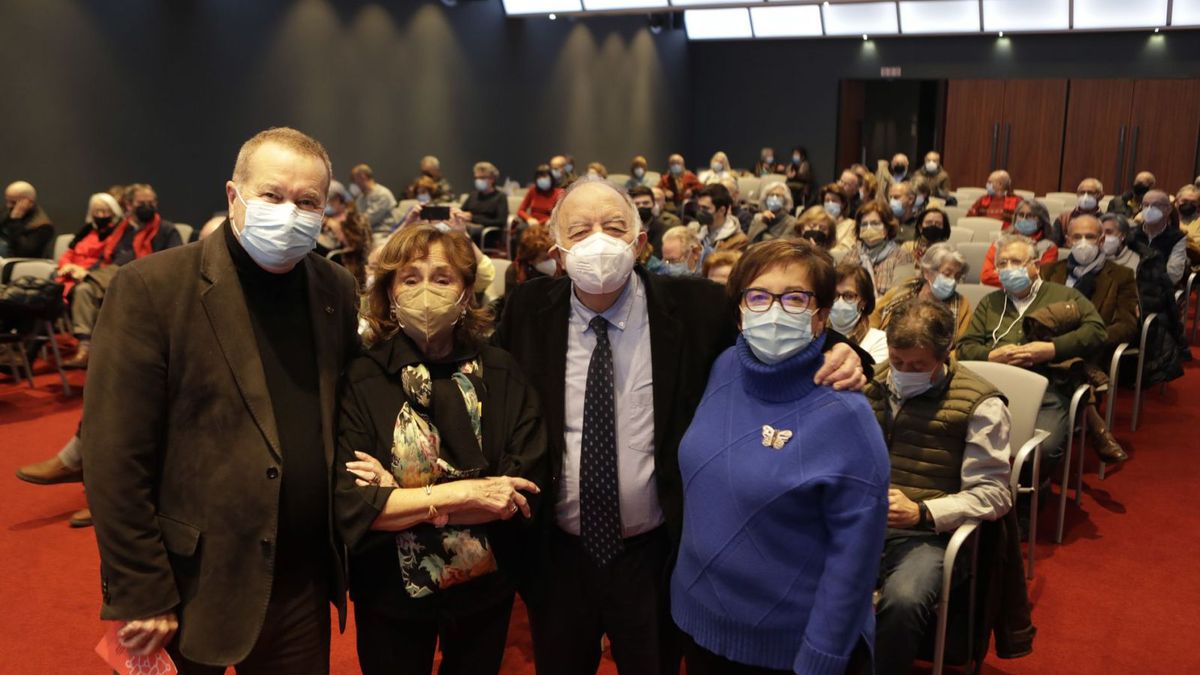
pixel 784 93
pixel 164 91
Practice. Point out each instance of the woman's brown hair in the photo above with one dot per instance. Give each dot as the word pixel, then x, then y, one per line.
pixel 885 214
pixel 851 269
pixel 410 244
pixel 781 253
pixel 535 241
pixel 818 216
pixel 358 239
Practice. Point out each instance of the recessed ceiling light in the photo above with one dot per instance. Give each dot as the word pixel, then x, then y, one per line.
pixel 864 37
pixel 553 17
pixel 1001 33
pixel 1155 30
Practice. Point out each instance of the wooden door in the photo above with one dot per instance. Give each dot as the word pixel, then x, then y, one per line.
pixel 1166 122
pixel 1098 136
pixel 973 114
pixel 851 112
pixel 1032 141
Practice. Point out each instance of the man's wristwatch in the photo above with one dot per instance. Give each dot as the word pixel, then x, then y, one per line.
pixel 926 521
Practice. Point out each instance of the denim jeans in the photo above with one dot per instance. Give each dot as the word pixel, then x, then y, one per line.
pixel 912 579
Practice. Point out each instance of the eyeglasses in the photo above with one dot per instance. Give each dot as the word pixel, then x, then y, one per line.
pixel 877 224
pixel 792 302
pixel 1004 263
pixel 850 296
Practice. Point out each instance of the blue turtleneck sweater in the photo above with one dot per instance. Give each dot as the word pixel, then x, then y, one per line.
pixel 780 548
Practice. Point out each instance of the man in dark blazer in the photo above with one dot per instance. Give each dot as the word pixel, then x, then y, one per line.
pixel 208 429
pixel 617 397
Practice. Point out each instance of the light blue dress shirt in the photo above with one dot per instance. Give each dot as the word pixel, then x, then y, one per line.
pixel 629 336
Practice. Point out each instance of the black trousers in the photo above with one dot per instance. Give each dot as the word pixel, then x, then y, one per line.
pixel 626 600
pixel 700 661
pixel 471 643
pixel 294 639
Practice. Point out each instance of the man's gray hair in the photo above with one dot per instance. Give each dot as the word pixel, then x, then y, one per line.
pixel 941 253
pixel 785 192
pixel 917 324
pixel 1122 222
pixel 487 168
pixel 634 218
pixel 21 188
pixel 1010 239
pixel 685 236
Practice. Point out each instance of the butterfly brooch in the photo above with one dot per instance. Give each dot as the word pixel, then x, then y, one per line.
pixel 773 438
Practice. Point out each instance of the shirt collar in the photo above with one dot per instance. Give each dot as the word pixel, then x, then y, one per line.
pixel 617 315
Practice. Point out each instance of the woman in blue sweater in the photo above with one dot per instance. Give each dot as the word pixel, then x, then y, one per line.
pixel 785 488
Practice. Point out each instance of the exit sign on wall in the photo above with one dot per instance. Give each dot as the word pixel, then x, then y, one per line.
pixel 890 72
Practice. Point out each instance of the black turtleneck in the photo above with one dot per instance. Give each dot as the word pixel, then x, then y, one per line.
pixel 279 312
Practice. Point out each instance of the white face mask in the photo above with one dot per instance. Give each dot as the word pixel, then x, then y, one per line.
pixel 547 267
pixel 1152 214
pixel 931 167
pixel 277 236
pixel 600 263
pixel 908 385
pixel 1084 252
pixel 1110 245
pixel 1087 202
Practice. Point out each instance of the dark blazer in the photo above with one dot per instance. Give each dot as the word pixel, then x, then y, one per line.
pixel 181 449
pixel 691 323
pixel 1115 298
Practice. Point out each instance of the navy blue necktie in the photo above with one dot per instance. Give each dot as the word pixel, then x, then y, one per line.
pixel 599 499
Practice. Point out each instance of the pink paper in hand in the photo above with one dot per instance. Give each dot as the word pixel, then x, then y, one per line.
pixel 125 663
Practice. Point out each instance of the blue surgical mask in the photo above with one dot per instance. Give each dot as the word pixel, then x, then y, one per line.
pixel 1027 226
pixel 569 167
pixel 775 335
pixel 481 184
pixel 844 316
pixel 918 202
pixel 557 173
pixel 795 159
pixel 909 385
pixel 774 203
pixel 834 209
pixel 638 172
pixel 543 183
pixel 277 236
pixel 897 207
pixel 1015 280
pixel 718 167
pixel 677 269
pixel 991 190
pixel 424 198
pixel 943 287
pixel 676 169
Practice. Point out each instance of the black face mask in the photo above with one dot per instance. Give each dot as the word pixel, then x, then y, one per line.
pixel 1140 190
pixel 705 218
pixel 145 212
pixel 102 223
pixel 817 237
pixel 933 234
pixel 645 213
pixel 1188 209
pixel 899 169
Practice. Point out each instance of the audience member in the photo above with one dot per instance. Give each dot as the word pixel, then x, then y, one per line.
pixel 934 176
pixel 878 251
pixel 1087 203
pixel 766 164
pixel 597 170
pixel 1031 220
pixel 540 199
pixel 678 183
pixel 817 226
pixel 775 221
pixel 742 211
pixel 1130 203
pixel 942 268
pixel 1113 291
pixel 352 239
pixel 433 563
pixel 1187 204
pixel 999 202
pixel 654 224
pixel 559 173
pixel 892 173
pixel 25 230
pixel 1118 243
pixel 715 223
pixel 800 177
pixel 717 266
pixel 431 169
pixel 681 253
pixel 1160 231
pixel 947 433
pixel 836 203
pixel 374 201
pixel 902 200
pixel 851 188
pixel 598 342
pixel 485 206
pixel 533 257
pixel 637 174
pixel 997 332
pixel 718 168
pixel 803 603
pixel 661 210
pixel 851 312
pixel 87 246
pixel 932 227
pixel 231 320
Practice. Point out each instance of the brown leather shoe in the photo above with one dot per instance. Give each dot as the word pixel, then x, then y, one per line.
pixel 50 472
pixel 1103 443
pixel 80 359
pixel 81 518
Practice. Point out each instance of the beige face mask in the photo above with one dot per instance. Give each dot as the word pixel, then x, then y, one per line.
pixel 426 311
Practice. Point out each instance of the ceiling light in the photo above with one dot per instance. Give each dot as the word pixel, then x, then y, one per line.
pixel 939 16
pixel 1120 13
pixel 874 18
pixel 1026 15
pixel 540 6
pixel 718 24
pixel 792 21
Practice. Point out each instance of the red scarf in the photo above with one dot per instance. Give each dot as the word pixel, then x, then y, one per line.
pixel 143 239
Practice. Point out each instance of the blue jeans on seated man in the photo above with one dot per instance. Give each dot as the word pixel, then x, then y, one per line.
pixel 911 573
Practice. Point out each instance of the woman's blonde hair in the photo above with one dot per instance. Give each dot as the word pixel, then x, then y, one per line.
pixel 406 246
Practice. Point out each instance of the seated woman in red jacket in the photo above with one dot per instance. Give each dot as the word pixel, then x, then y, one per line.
pixel 540 199
pixel 86 249
pixel 1032 220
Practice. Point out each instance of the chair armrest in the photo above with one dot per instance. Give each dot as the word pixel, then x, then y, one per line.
pixel 1150 318
pixel 957 540
pixel 1039 436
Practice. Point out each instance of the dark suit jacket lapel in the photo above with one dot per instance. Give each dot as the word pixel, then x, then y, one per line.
pixel 553 318
pixel 666 335
pixel 323 308
pixel 225 306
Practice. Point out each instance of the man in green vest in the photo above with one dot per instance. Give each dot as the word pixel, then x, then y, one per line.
pixel 947 435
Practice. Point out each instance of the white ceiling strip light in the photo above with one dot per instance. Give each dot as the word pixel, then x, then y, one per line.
pixel 1185 13
pixel 792 21
pixel 865 18
pixel 540 6
pixel 718 24
pixel 1026 15
pixel 933 16
pixel 1095 14
pixel 614 5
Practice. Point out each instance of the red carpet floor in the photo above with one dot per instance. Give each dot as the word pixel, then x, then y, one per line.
pixel 1120 595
